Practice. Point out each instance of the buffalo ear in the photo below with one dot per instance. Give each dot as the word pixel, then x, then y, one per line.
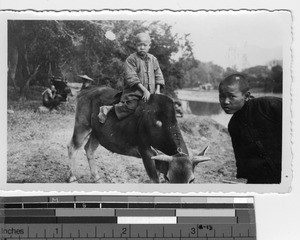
pixel 203 151
pixel 163 157
pixel 199 159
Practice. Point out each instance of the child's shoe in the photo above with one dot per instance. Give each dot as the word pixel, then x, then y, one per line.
pixel 104 110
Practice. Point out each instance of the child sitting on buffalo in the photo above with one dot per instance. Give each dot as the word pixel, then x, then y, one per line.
pixel 143 77
pixel 255 129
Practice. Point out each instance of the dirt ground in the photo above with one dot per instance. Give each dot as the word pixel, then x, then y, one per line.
pixel 37 149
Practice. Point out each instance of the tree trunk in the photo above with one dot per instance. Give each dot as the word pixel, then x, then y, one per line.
pixel 25 88
pixel 49 74
pixel 12 66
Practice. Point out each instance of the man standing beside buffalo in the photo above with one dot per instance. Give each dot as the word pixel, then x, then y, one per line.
pixel 255 129
pixel 143 77
pixel 86 81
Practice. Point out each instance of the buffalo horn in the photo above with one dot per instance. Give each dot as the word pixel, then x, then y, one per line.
pixel 165 158
pixel 199 159
pixel 203 151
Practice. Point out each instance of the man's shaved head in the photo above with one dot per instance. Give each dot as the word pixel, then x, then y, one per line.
pixel 236 78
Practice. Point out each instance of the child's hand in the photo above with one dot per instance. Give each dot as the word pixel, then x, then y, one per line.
pixel 146 96
pixel 157 90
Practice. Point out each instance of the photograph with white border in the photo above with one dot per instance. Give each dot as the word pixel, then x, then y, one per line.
pixel 82 62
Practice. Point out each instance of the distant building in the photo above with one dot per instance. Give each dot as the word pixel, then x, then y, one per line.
pixel 206 86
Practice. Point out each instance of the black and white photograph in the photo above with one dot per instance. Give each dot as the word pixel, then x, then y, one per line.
pixel 142 99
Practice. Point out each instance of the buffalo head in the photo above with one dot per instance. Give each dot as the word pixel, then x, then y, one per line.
pixel 179 168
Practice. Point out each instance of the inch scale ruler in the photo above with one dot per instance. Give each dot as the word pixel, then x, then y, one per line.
pixel 127 217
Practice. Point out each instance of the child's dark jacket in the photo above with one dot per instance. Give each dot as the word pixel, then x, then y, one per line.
pixel 256 133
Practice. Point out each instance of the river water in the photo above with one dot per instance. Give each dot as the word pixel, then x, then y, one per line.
pixel 208 109
pixel 206 103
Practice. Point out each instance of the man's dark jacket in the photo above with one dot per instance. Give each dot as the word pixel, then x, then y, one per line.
pixel 256 134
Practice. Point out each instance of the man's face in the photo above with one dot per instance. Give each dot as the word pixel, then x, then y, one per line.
pixel 231 98
pixel 142 46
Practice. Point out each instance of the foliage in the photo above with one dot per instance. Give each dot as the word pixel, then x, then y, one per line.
pixel 41 49
pixel 38 50
pixel 267 78
pixel 198 73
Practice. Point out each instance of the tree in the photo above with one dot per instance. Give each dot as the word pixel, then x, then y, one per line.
pixel 33 48
pixel 276 75
pixel 40 49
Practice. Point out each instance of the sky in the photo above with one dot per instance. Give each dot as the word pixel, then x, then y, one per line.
pixel 235 39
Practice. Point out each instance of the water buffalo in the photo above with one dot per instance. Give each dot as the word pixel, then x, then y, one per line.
pixel 152 128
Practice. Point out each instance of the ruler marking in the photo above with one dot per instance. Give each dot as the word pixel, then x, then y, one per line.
pixel 236 230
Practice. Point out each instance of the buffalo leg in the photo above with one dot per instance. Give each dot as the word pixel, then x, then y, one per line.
pixel 149 164
pixel 78 138
pixel 90 148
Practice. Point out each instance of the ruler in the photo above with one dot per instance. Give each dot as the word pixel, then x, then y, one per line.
pixel 127 217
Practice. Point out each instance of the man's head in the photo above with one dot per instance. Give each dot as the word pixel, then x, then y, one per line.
pixel 142 41
pixel 233 93
pixel 52 88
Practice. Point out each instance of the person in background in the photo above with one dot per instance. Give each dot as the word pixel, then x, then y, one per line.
pixel 255 129
pixel 143 77
pixel 50 99
pixel 87 81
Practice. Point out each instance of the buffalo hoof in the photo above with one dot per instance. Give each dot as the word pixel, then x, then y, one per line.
pixel 73 179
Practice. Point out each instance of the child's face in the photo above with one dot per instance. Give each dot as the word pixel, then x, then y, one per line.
pixel 231 98
pixel 142 46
